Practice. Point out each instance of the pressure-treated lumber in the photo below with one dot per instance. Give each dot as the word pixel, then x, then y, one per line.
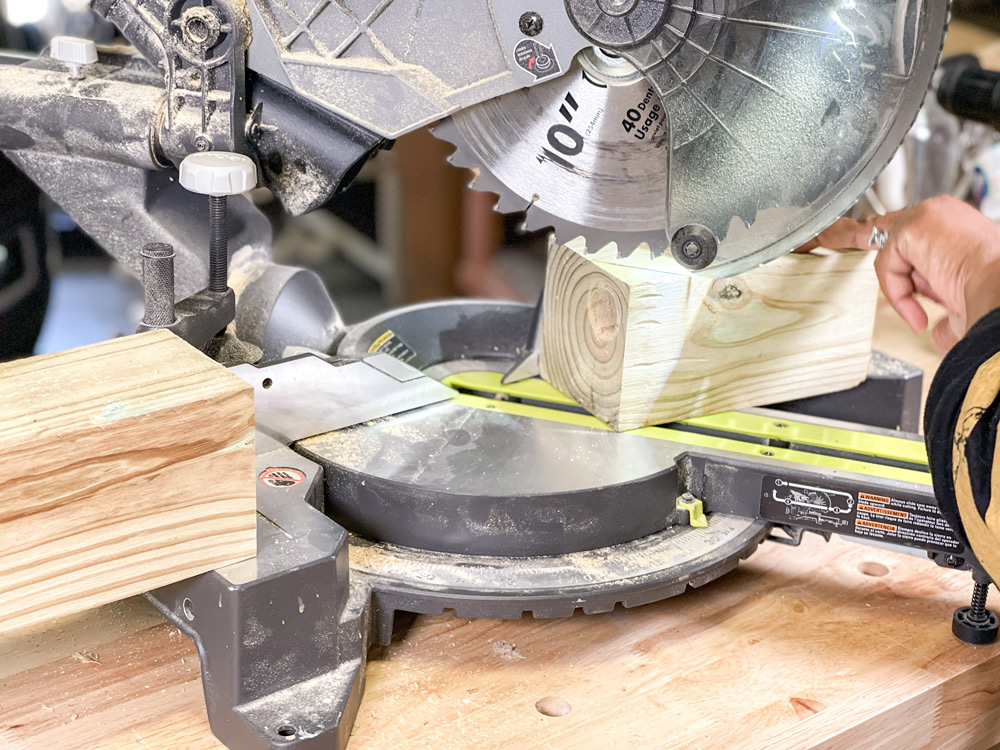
pixel 124 466
pixel 637 347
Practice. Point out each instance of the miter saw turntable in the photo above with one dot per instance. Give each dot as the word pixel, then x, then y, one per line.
pixel 398 469
pixel 430 485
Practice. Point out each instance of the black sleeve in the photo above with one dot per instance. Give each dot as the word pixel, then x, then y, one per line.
pixel 960 430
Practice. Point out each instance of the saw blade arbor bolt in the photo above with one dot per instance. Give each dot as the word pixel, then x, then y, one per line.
pixel 618 24
pixel 617 7
pixel 531 23
pixel 694 247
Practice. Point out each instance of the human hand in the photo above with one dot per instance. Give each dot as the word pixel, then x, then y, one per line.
pixel 943 249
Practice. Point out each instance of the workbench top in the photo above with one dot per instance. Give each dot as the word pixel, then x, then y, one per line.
pixel 830 645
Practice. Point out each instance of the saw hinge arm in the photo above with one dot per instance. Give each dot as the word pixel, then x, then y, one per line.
pixel 201 50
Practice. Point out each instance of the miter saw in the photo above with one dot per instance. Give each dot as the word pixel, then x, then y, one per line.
pixel 397 470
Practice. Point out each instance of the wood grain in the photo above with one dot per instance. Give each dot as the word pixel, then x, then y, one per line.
pixel 124 466
pixel 638 347
pixel 797 650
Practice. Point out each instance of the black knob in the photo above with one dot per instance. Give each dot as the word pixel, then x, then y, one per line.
pixel 968 91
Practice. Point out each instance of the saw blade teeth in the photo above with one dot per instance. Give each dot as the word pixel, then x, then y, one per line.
pixel 459 160
pixel 593 245
pixel 595 242
pixel 625 251
pixel 445 130
pixel 536 219
pixel 520 225
pixel 510 203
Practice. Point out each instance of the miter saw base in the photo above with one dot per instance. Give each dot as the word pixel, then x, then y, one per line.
pixel 283 638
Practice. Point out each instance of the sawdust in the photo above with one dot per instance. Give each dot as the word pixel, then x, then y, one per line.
pixel 507 651
pixel 358 447
pixel 885 366
pixel 87 657
pixel 373 558
pixel 598 570
pixel 245 267
pixel 83 633
pixel 350 448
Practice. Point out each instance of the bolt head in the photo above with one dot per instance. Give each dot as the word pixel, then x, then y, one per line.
pixel 218 173
pixel 694 246
pixel 691 250
pixel 200 28
pixel 531 23
pixel 617 7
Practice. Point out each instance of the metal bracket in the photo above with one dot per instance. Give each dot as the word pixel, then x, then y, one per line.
pixel 281 637
pixel 200 317
pixel 691 512
pixel 200 45
pixel 308 395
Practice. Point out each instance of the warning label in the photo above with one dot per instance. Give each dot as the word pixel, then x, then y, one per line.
pixel 538 59
pixel 896 520
pixel 389 343
pixel 282 477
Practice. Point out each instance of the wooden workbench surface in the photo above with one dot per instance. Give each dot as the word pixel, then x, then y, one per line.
pixel 825 646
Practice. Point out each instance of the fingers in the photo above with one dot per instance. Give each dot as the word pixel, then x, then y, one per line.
pixel 896 277
pixel 912 312
pixel 849 233
pixel 937 249
pixel 923 286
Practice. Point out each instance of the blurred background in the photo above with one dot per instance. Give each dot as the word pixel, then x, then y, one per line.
pixel 408 230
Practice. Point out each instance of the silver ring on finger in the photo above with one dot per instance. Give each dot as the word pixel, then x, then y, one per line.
pixel 879 238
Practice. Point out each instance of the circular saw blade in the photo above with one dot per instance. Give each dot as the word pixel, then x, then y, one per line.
pixel 731 135
pixel 581 154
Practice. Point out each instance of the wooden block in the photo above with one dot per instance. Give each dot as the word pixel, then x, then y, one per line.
pixel 124 466
pixel 637 347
